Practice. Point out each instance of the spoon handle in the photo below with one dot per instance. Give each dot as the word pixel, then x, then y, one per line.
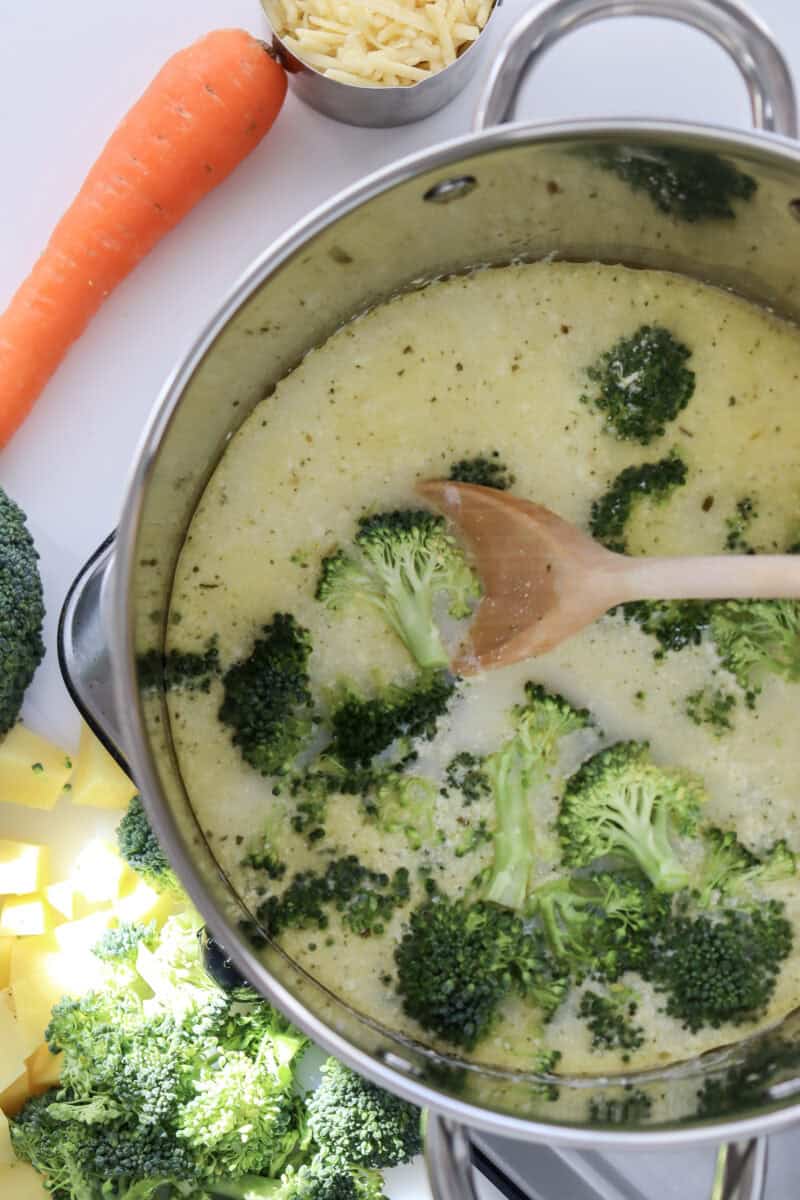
pixel 720 577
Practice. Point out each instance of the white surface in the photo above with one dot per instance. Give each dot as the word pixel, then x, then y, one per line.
pixel 67 73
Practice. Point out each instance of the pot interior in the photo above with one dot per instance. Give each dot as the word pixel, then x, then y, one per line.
pixel 574 193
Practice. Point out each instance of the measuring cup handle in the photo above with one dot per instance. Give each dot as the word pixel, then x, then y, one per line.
pixel 743 36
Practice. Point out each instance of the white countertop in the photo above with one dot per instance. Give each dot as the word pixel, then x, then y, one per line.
pixel 68 71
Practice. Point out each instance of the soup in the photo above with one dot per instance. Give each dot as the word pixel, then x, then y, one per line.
pixel 493 366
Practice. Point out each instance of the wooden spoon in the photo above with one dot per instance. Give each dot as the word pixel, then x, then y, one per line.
pixel 543 579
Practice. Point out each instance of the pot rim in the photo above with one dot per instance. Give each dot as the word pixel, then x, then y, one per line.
pixel 121 624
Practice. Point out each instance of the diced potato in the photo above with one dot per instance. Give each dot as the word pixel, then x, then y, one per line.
pixel 44 1069
pixel 20 1182
pixel 98 782
pixel 32 770
pixel 77 938
pixel 25 916
pixel 139 902
pixel 61 897
pixel 41 973
pixel 12 1050
pixel 7 1155
pixel 5 960
pixel 23 867
pixel 12 1100
pixel 98 871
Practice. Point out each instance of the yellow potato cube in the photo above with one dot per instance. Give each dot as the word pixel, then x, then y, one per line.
pixel 5 960
pixel 12 1100
pixel 41 973
pixel 25 916
pixel 140 902
pixel 97 872
pixel 98 782
pixel 23 867
pixel 44 1069
pixel 61 897
pixel 77 938
pixel 12 1048
pixel 7 1155
pixel 32 770
pixel 19 1181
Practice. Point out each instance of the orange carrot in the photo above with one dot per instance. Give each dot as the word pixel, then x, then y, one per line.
pixel 204 111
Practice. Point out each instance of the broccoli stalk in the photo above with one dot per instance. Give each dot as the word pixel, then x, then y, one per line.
pixel 619 802
pixel 513 771
pixel 21 610
pixel 399 563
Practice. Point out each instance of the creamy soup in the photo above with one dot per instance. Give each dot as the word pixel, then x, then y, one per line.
pixel 496 361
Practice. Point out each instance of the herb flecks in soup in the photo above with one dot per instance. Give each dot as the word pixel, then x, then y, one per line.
pixel 585 859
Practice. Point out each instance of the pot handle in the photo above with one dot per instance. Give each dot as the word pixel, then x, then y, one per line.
pixel 741 1169
pixel 743 36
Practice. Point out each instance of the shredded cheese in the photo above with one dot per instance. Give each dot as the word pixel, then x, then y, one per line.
pixel 378 43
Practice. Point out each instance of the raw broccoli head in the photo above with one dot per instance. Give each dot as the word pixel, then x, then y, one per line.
pixel 326 1177
pixel 400 562
pixel 619 802
pixel 267 701
pixel 363 727
pixel 457 962
pixel 353 1119
pixel 21 610
pixel 716 968
pixel 519 765
pixel 757 637
pixel 121 944
pixel 641 384
pixel 655 481
pixel 139 847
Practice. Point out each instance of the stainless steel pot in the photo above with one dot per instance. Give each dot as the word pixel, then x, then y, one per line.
pixel 526 191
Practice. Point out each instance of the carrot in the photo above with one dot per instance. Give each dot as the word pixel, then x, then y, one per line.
pixel 205 110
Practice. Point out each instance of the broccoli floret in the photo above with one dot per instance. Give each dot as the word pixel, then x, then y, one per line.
pixel 326 1177
pixel 768 1061
pixel 757 637
pixel 729 868
pixel 458 961
pixel 691 185
pixel 188 670
pixel 139 847
pixel 472 838
pixel 21 610
pixel 656 481
pixel 488 470
pixel 629 1107
pixel 405 804
pixel 518 766
pixel 738 525
pixel 363 727
pixel 465 774
pixel 609 1019
pixel 716 968
pixel 267 699
pixel 121 944
pixel 711 707
pixel 400 562
pixel 353 1119
pixel 365 899
pixel 642 383
pixel 674 624
pixel 619 802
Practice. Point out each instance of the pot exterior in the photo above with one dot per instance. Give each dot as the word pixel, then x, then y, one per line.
pixel 566 191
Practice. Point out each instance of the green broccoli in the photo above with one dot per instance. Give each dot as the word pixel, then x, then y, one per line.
pixel 405 804
pixel 757 637
pixel 355 1120
pixel 465 774
pixel 674 624
pixel 363 727
pixel 629 1106
pixel 267 700
pixel 21 610
pixel 712 707
pixel 642 383
pixel 656 481
pixel 400 562
pixel 690 185
pixel 121 944
pixel 457 962
pixel 609 1019
pixel 513 771
pixel 488 470
pixel 722 967
pixel 738 525
pixel 619 802
pixel 730 869
pixel 189 670
pixel 365 899
pixel 139 847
